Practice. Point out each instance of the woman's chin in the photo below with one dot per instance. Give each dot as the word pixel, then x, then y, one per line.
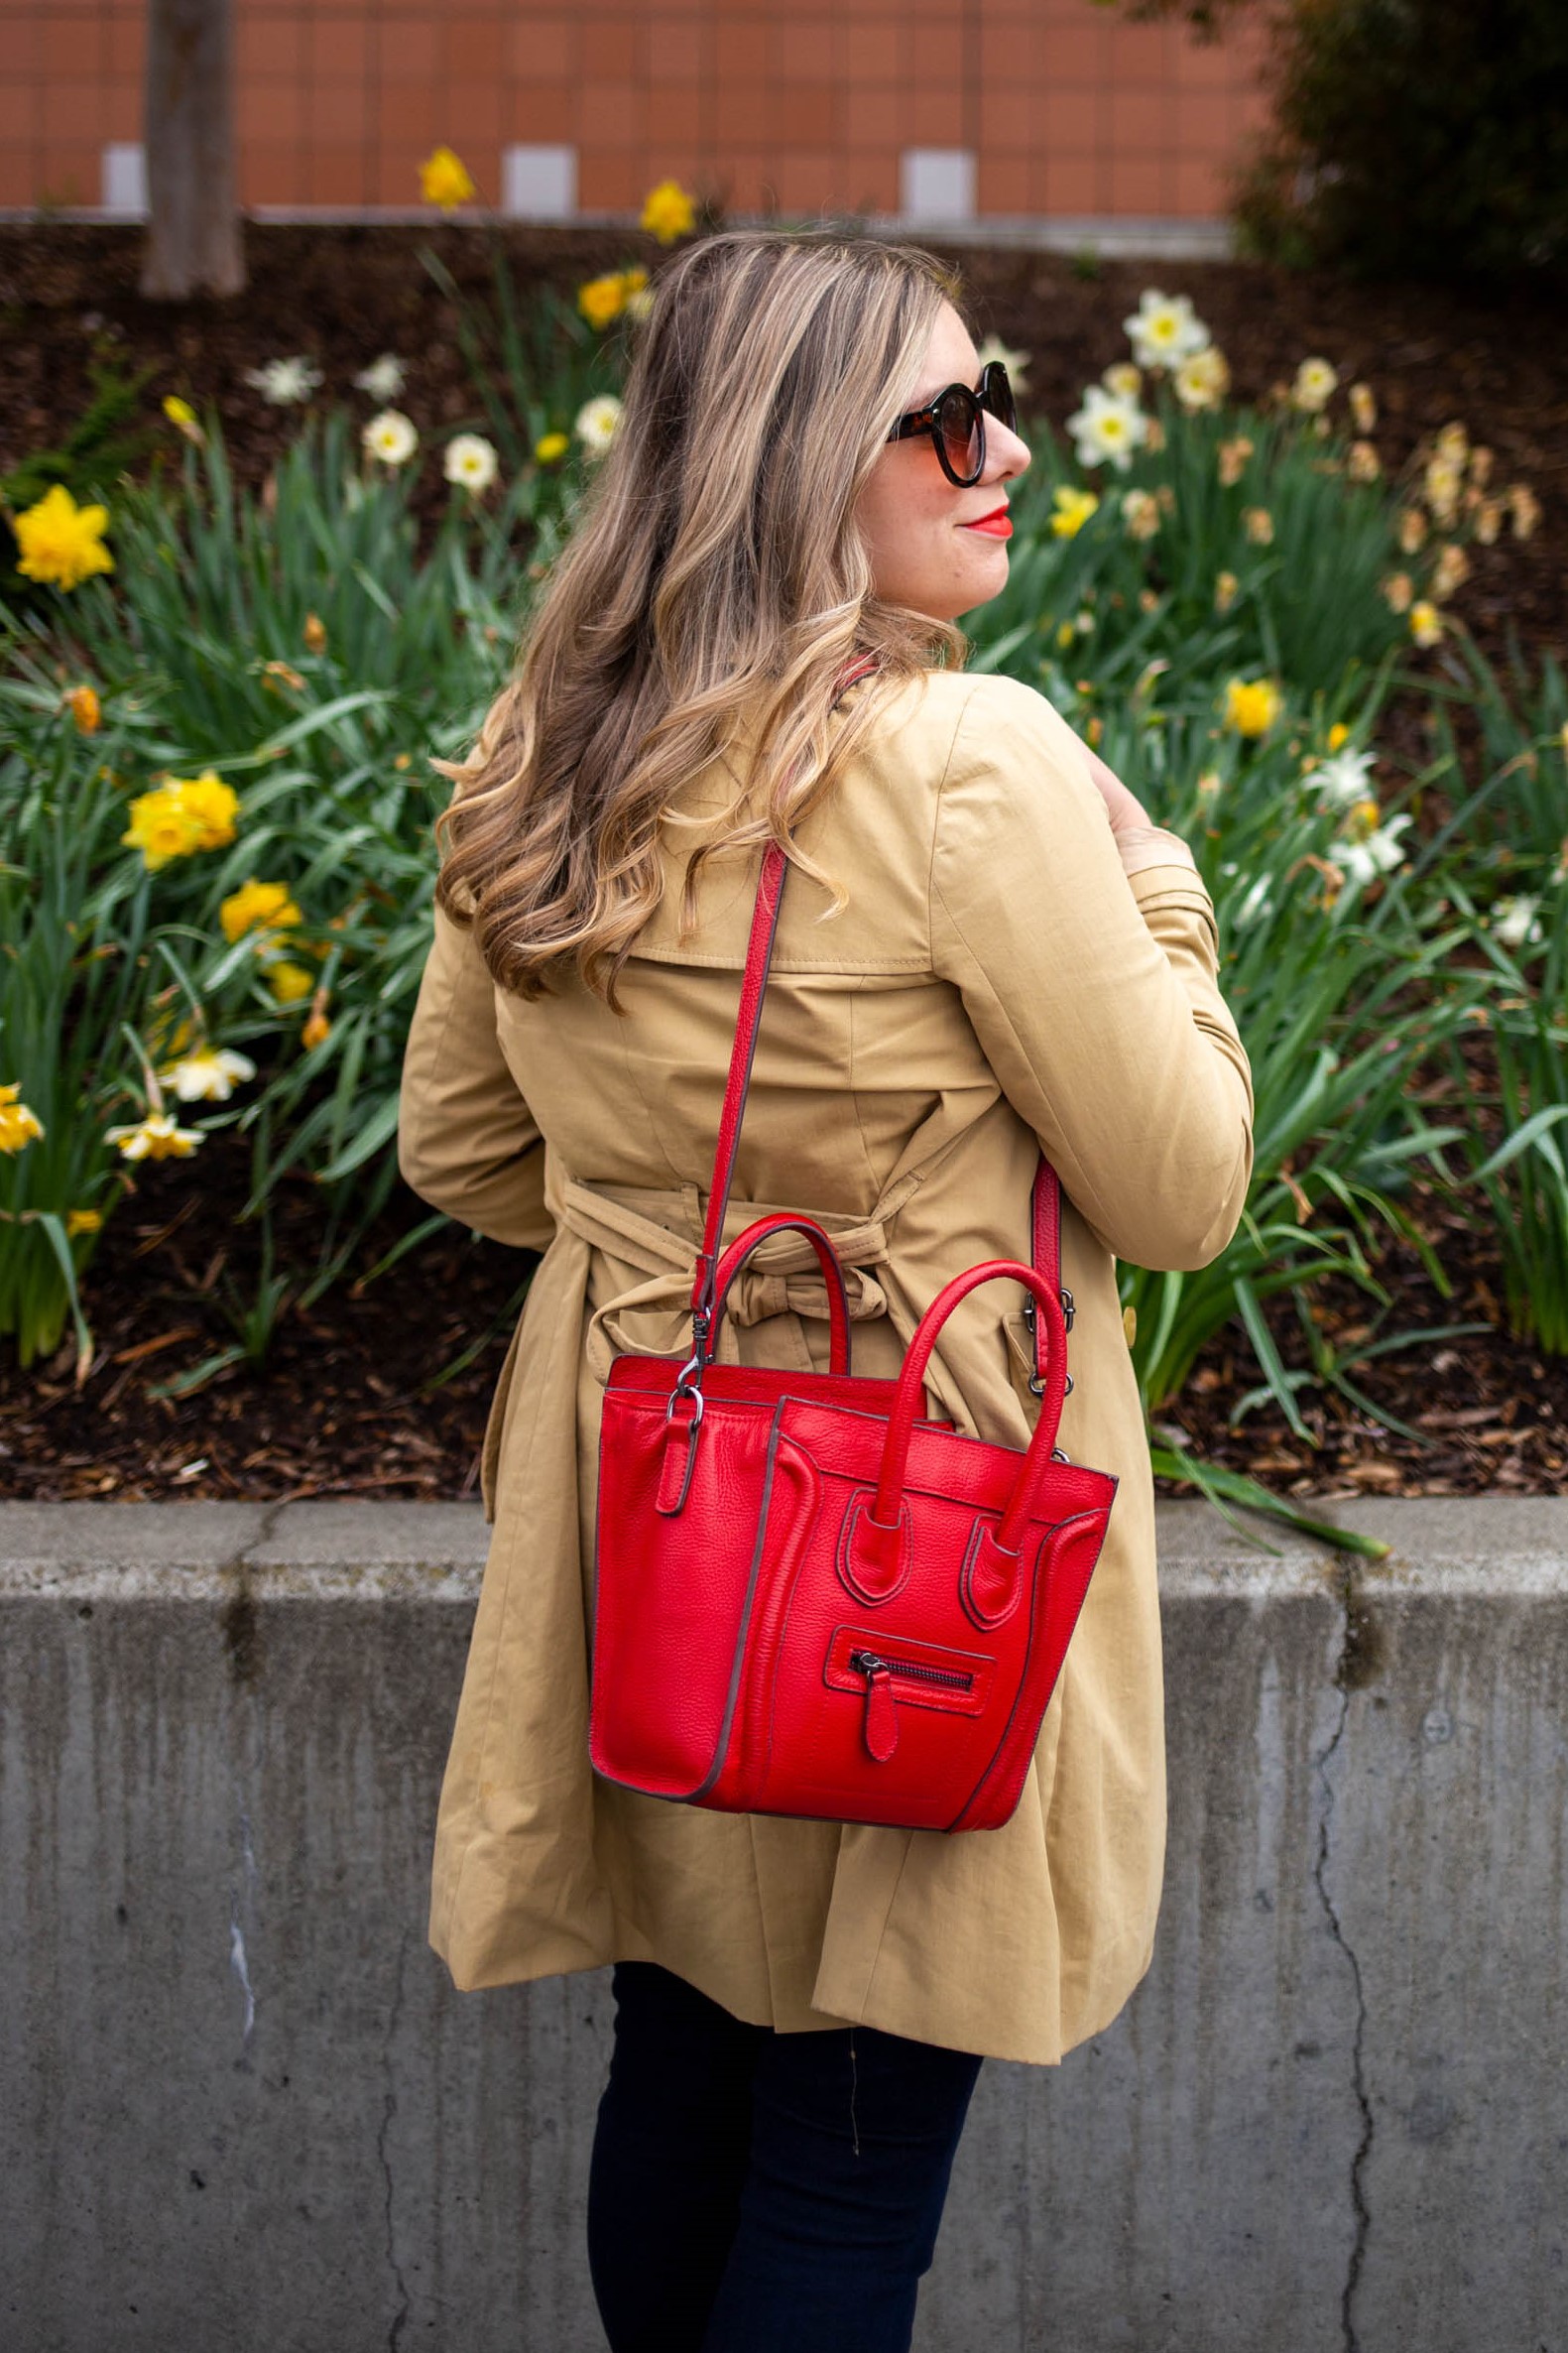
pixel 989 577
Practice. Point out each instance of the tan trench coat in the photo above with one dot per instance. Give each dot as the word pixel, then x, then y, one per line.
pixel 997 978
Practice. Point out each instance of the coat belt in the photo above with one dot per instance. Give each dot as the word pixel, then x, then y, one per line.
pixel 782 1277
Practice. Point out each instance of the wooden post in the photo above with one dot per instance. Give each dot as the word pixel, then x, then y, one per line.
pixel 194 243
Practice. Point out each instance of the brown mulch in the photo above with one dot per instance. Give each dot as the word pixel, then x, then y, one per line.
pixel 351 1399
pixel 347 1399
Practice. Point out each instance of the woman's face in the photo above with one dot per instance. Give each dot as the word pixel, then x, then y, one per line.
pixel 935 549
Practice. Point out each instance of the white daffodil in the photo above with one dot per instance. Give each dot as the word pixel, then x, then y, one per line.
pixel 1343 780
pixel 1163 331
pixel 155 1138
pixel 284 381
pixel 1514 922
pixel 384 379
pixel 1107 429
pixel 596 422
pixel 471 463
pixel 391 437
pixel 1316 381
pixel 1014 362
pixel 209 1075
pixel 1202 381
pixel 1377 853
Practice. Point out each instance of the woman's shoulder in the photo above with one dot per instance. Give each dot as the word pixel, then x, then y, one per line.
pixel 964 723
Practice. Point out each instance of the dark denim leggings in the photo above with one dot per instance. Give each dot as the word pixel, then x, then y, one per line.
pixel 757 2192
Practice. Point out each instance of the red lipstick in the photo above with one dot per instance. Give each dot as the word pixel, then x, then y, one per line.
pixel 996 524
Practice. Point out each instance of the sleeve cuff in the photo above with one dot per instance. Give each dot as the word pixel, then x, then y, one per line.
pixel 1141 846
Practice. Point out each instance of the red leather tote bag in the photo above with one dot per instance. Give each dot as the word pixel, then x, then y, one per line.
pixel 810 1599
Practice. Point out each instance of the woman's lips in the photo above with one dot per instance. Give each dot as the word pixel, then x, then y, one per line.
pixel 996 524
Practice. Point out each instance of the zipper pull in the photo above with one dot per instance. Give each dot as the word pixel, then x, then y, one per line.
pixel 881 1716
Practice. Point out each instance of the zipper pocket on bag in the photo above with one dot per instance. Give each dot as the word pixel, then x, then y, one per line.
pixel 950 1679
pixel 882 1672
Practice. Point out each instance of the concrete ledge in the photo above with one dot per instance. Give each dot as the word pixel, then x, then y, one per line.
pixel 240 2105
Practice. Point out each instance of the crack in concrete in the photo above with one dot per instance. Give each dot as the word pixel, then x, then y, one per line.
pixel 389 2111
pixel 1349 1675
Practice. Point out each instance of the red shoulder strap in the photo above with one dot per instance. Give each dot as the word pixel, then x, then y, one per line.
pixel 1045 1206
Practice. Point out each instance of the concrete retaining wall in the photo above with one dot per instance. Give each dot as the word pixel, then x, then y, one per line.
pixel 241 2108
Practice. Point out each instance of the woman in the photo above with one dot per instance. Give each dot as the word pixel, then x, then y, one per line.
pixel 986 948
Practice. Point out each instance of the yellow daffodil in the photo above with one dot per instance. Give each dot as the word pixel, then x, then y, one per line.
pixel 317 1028
pixel 214 804
pixel 155 1138
pixel 182 416
pixel 1488 521
pixel 162 827
pixel 1413 530
pixel 1362 464
pixel 1398 590
pixel 18 1125
pixel 1073 508
pixel 1338 736
pixel 1363 407
pixel 209 1075
pixel 444 180
pixel 257 907
pixel 289 982
pixel 1225 587
pixel 669 212
pixel 1065 633
pixel 602 299
pixel 550 448
pixel 1251 705
pixel 182 816
pixel 314 634
pixel 1426 623
pixel 82 1222
pixel 1258 526
pixel 61 543
pixel 85 708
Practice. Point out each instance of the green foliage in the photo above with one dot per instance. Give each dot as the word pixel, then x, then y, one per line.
pixel 77 947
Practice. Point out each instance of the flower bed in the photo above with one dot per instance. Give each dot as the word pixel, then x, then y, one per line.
pixel 221 702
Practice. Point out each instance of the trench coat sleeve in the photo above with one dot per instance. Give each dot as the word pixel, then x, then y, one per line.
pixel 467 1141
pixel 1093 993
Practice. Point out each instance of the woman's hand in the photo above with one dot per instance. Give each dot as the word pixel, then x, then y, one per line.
pixel 1126 811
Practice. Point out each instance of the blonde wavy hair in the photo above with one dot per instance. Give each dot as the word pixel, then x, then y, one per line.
pixel 715 576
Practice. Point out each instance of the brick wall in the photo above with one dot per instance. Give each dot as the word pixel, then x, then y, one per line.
pixel 791 105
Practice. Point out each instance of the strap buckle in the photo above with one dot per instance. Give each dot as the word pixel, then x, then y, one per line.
pixel 1069 1315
